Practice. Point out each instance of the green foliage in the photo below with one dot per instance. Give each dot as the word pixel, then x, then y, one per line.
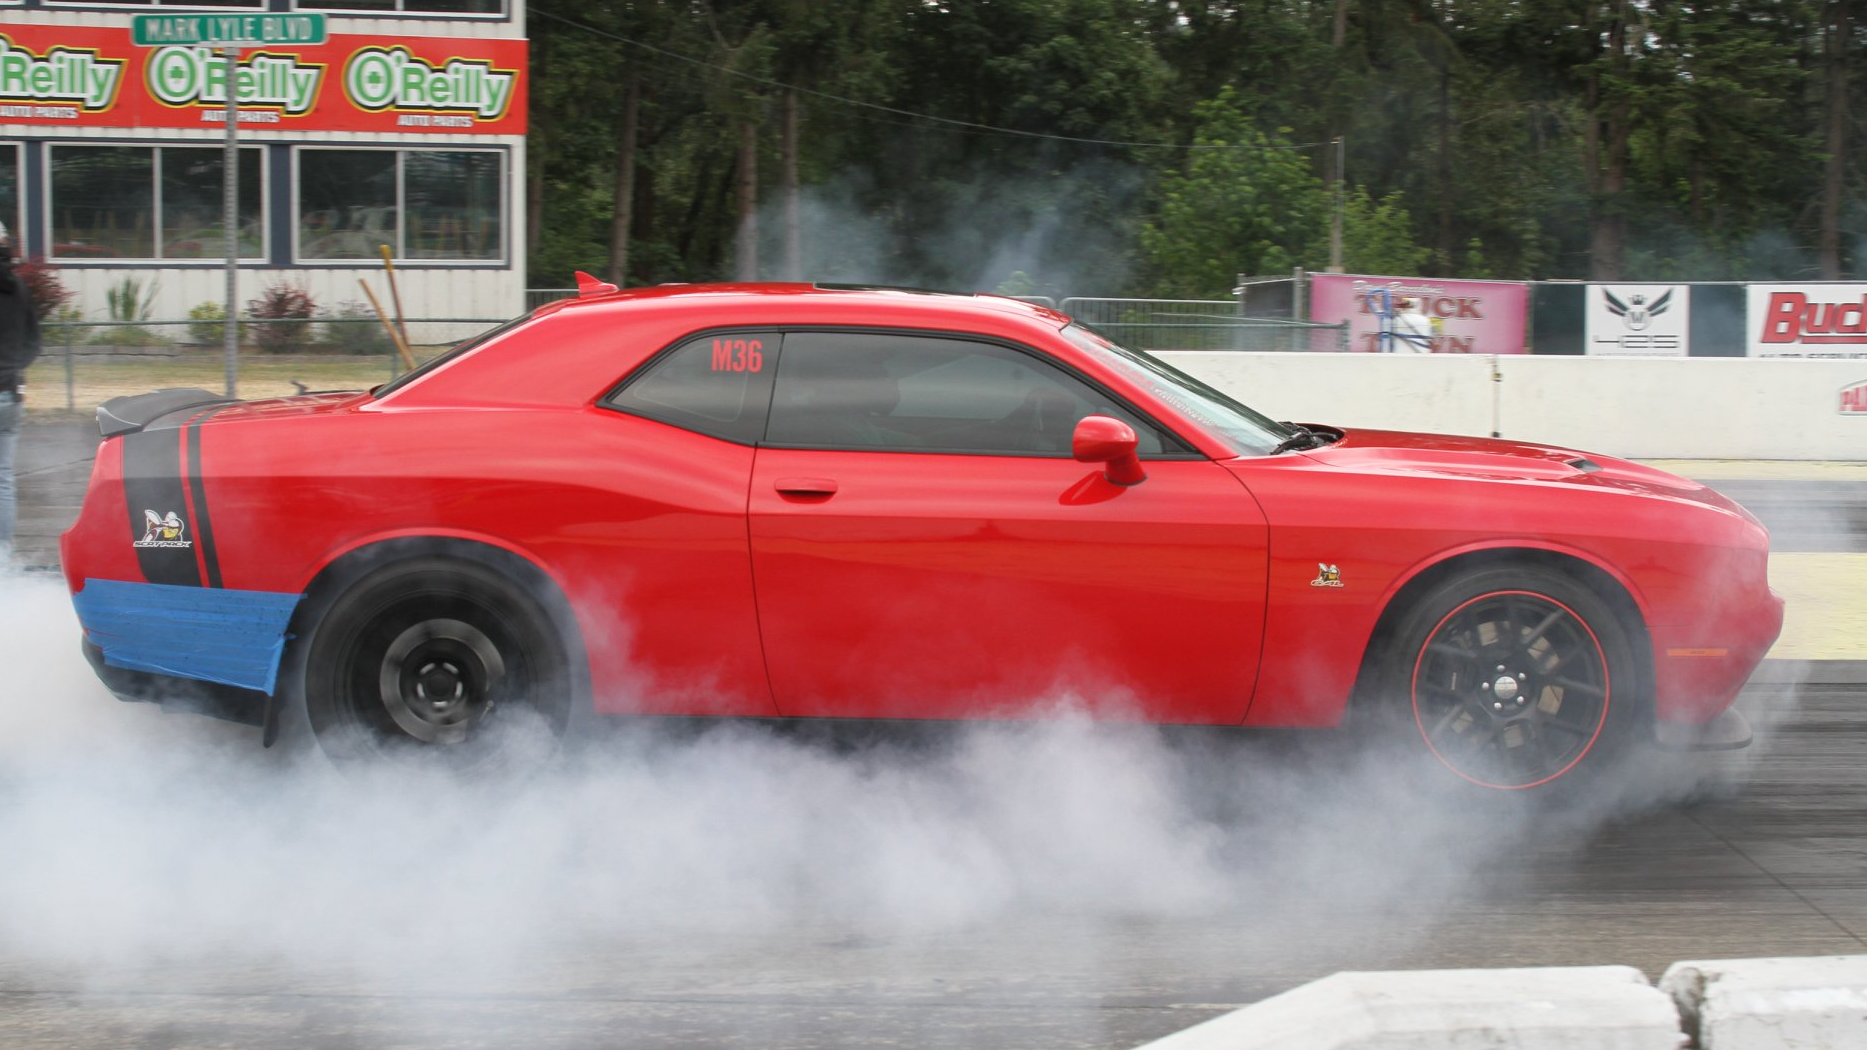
pixel 128 301
pixel 208 331
pixel 1487 137
pixel 353 328
pixel 1377 236
pixel 1244 203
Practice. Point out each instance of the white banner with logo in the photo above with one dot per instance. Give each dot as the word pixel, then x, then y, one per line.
pixel 1807 320
pixel 1638 320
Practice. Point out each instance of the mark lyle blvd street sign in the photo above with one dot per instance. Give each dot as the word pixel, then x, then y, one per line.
pixel 239 30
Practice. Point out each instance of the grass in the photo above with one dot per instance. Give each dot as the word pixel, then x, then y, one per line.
pixel 96 379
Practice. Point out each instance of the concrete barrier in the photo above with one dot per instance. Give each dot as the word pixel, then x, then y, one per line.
pixel 1558 1008
pixel 1772 1004
pixel 1637 408
pixel 1730 1004
pixel 1450 393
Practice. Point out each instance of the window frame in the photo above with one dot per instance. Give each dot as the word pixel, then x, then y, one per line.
pixel 1169 437
pixel 295 204
pixel 48 203
pixel 16 222
pixel 398 11
pixel 120 5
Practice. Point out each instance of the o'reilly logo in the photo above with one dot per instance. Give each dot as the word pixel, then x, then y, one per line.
pixel 378 78
pixel 184 76
pixel 62 75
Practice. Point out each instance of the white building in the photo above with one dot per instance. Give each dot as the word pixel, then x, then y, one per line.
pixel 406 128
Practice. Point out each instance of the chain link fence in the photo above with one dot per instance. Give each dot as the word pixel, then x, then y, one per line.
pixel 1171 324
pixel 86 363
pixel 1200 324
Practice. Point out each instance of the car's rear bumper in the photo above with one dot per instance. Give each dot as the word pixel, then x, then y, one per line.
pixel 173 693
pixel 218 635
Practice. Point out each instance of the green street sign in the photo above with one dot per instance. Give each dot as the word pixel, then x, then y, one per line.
pixel 238 30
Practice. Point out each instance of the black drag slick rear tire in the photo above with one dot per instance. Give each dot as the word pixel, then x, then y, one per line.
pixel 436 658
pixel 1513 679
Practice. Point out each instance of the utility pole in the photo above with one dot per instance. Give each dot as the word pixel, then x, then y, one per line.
pixel 1335 222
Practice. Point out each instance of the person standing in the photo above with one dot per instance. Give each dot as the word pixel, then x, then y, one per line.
pixel 1412 330
pixel 19 345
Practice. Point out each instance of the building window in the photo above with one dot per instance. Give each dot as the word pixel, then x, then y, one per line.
pixel 428 7
pixel 10 196
pixel 423 204
pixel 150 202
pixel 156 3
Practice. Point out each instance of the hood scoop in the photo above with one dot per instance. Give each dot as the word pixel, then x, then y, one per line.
pixel 1583 464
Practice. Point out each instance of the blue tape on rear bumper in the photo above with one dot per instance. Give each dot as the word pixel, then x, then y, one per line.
pixel 232 637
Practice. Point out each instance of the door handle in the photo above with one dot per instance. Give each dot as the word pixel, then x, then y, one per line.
pixel 805 486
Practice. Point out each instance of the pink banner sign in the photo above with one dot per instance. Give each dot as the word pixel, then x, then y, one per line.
pixel 1469 317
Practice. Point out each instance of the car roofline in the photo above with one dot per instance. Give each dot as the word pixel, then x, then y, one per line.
pixel 985 302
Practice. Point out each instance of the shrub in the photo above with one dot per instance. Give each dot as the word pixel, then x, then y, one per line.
pixel 282 302
pixel 42 281
pixel 128 301
pixel 208 329
pixel 353 328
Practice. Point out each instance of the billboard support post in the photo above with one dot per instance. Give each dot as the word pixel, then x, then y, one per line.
pixel 230 214
pixel 229 33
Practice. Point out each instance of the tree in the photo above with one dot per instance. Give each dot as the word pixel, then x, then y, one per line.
pixel 1243 203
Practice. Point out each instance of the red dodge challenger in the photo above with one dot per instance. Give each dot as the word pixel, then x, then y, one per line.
pixel 805 501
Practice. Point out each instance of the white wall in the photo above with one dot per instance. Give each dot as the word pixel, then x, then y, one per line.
pixel 472 293
pixel 1669 408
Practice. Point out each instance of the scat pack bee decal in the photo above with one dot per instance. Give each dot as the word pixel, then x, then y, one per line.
pixel 163 530
pixel 1326 576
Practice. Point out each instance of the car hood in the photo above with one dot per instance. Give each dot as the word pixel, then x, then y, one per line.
pixel 1493 459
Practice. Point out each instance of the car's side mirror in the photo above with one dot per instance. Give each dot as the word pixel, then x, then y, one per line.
pixel 1104 439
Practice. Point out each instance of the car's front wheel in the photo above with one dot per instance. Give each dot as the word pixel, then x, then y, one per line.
pixel 439 656
pixel 1513 678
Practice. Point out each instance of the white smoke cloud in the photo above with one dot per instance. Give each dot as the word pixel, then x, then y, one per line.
pixel 136 838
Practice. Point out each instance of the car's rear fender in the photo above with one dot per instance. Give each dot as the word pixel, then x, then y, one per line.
pixel 360 559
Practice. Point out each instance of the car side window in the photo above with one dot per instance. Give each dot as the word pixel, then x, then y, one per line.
pixel 890 392
pixel 717 384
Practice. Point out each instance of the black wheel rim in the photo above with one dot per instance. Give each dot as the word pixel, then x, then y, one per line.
pixel 432 671
pixel 438 679
pixel 1511 689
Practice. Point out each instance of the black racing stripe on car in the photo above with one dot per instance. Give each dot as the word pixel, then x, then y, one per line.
pixel 197 491
pixel 153 488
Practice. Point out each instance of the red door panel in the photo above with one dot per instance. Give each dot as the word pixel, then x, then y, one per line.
pixel 903 585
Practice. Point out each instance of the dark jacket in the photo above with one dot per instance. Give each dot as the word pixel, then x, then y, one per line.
pixel 19 328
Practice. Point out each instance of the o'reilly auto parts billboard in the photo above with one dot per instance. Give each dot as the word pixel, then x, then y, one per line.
pixel 1807 320
pixel 1638 320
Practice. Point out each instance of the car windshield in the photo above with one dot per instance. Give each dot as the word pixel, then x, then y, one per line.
pixel 1249 431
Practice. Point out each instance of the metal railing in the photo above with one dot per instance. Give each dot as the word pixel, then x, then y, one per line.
pixel 1200 324
pixel 537 297
pixel 1159 324
pixel 98 360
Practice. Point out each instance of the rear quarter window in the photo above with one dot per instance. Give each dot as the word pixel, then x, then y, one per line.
pixel 717 384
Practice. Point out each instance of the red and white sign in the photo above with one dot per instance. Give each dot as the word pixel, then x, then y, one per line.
pixel 95 77
pixel 1480 317
pixel 1807 320
pixel 1854 399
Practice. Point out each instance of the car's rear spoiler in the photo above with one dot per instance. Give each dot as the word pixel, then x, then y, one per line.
pixel 127 415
